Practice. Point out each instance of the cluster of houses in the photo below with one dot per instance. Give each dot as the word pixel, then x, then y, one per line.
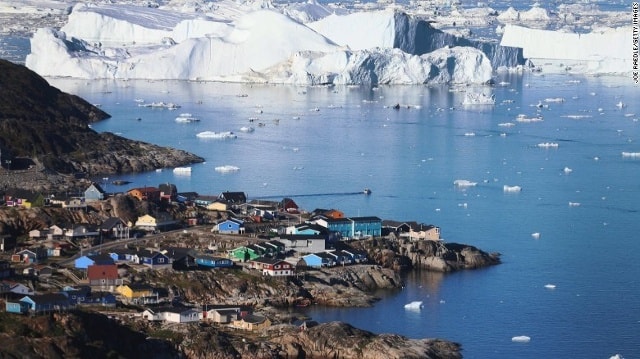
pixel 320 241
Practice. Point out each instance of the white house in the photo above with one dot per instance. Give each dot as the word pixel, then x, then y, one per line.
pixel 172 315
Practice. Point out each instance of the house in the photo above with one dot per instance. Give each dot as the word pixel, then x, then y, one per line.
pixel 23 198
pixel 94 193
pixel 38 233
pixel 341 257
pixel 55 232
pixel 168 192
pixel 233 198
pixel 172 314
pixel 218 205
pixel 223 314
pixel 272 267
pixel 251 322
pixel 229 226
pixel 181 258
pixel 318 260
pixel 104 276
pixel 150 194
pixel 328 213
pixel 289 206
pixel 153 259
pixel 245 253
pixel 213 262
pixel 423 232
pixel 353 227
pixel 14 288
pixel 35 255
pixel 305 324
pixel 85 261
pixel 7 242
pixel 303 243
pixel 310 229
pixel 81 230
pixel 205 201
pixel 136 293
pixel 72 203
pixel 159 221
pixel 85 296
pixel 5 269
pixel 113 228
pixel 186 197
pixel 39 303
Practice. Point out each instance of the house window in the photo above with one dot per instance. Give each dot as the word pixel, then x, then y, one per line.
pixel 160 260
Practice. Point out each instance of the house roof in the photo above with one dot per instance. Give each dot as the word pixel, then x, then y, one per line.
pixel 104 271
pixel 254 319
pixel 268 260
pixel 233 197
pixel 110 223
pixel 97 187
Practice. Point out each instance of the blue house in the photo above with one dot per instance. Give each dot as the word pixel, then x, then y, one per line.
pixel 319 260
pixel 353 227
pixel 35 255
pixel 213 262
pixel 94 193
pixel 97 259
pixel 230 226
pixel 33 304
pixel 76 295
pixel 152 259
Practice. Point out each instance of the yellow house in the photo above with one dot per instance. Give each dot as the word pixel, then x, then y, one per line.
pixel 218 206
pixel 134 291
pixel 251 322
pixel 424 232
pixel 147 222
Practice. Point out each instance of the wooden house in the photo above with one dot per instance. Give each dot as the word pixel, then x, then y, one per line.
pixel 94 193
pixel 150 194
pixel 251 322
pixel 39 303
pixel 104 276
pixel 35 255
pixel 113 228
pixel 207 261
pixel 172 314
pixel 229 226
pixel 272 267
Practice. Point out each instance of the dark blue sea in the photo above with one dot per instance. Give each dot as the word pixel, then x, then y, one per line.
pixel 571 144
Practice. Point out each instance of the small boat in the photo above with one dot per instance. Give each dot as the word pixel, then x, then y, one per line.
pixel 367 191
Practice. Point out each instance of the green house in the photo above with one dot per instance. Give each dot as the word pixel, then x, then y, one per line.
pixel 246 253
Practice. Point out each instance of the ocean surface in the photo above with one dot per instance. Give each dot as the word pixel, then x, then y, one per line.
pixel 573 225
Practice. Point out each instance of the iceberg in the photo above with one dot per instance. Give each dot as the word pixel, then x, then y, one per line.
pixel 550 286
pixel 415 305
pixel 464 183
pixel 521 339
pixel 186 118
pixel 548 145
pixel 535 235
pixel 182 170
pixel 227 169
pixel 631 154
pixel 602 51
pixel 119 41
pixel 478 98
pixel 216 135
pixel 511 189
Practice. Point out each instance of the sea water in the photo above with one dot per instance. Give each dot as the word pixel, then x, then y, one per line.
pixel 568 238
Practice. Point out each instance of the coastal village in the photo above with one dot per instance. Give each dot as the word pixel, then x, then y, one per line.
pixel 69 265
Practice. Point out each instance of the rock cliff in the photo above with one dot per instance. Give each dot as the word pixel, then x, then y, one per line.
pixel 44 129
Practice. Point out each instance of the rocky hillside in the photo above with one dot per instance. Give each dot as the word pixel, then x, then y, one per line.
pixel 40 125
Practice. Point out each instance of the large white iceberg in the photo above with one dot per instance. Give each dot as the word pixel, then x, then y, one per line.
pixel 604 51
pixel 129 42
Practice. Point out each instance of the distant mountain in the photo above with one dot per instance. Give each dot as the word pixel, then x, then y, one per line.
pixel 41 125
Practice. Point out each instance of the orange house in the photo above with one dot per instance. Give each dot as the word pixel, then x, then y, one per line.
pixel 151 194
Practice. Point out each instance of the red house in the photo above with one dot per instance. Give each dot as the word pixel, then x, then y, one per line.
pixel 103 275
pixel 273 267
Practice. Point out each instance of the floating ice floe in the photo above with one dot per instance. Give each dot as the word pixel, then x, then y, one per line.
pixel 247 129
pixel 415 305
pixel 554 99
pixel 480 98
pixel 227 169
pixel 511 189
pixel 577 117
pixel 524 119
pixel 548 145
pixel 216 135
pixel 567 170
pixel 469 134
pixel 186 118
pixel 182 170
pixel 620 104
pixel 631 154
pixel 521 339
pixel 535 235
pixel 167 105
pixel 506 124
pixel 550 286
pixel 574 204
pixel 464 183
